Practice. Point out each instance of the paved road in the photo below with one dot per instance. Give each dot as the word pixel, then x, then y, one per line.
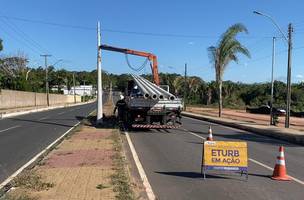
pixel 171 160
pixel 22 137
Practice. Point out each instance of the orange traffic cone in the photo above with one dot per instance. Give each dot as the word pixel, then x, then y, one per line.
pixel 279 172
pixel 210 137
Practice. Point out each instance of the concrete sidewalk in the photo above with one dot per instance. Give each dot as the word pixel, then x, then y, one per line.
pixel 290 135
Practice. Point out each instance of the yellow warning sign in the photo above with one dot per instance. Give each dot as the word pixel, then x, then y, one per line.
pixel 223 155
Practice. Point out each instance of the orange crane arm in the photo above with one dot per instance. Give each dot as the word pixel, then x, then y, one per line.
pixel 150 56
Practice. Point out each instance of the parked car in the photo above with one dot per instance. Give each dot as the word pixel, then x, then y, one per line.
pixel 297 114
pixel 265 109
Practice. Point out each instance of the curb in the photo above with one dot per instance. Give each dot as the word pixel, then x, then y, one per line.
pixel 273 132
pixel 13 114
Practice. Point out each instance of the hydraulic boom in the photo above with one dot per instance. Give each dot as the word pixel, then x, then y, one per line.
pixel 152 58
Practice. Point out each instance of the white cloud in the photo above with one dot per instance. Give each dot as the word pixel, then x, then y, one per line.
pixel 299 76
pixel 190 43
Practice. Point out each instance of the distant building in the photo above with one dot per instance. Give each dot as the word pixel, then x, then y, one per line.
pixel 81 90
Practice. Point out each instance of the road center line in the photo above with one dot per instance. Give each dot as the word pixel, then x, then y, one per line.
pixel 252 160
pixel 9 128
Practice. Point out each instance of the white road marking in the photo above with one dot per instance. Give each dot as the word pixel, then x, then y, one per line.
pixel 9 179
pixel 253 160
pixel 61 113
pixel 194 134
pixel 9 128
pixel 43 118
pixel 271 169
pixel 140 169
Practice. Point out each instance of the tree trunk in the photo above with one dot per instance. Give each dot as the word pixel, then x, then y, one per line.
pixel 209 96
pixel 220 102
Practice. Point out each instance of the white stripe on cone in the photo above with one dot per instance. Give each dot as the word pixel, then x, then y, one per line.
pixel 280 162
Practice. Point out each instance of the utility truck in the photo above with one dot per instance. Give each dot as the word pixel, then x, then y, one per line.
pixel 149 105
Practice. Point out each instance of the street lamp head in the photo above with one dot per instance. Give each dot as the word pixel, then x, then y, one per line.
pixel 258 13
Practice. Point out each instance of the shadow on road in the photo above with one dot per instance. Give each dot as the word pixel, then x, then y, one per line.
pixel 193 175
pixel 225 176
pixel 109 122
pixel 45 122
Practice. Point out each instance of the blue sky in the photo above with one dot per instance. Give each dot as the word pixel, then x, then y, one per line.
pixel 191 18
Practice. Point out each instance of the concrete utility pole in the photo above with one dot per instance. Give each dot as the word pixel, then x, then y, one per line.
pixel 288 97
pixel 272 81
pixel 46 79
pixel 74 84
pixel 185 87
pixel 99 81
pixel 289 41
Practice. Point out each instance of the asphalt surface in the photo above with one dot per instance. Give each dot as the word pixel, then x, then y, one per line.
pixel 172 160
pixel 24 136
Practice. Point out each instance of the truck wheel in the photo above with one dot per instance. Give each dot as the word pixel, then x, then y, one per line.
pixel 171 118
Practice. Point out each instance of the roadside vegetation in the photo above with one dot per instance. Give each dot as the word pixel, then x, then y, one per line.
pixel 120 179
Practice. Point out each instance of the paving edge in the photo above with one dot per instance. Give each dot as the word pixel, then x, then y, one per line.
pixel 271 132
pixel 13 114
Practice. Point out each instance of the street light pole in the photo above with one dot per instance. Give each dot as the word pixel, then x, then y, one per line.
pixel 289 42
pixel 185 88
pixel 99 77
pixel 272 81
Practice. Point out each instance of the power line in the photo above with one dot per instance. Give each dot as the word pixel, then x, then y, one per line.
pixel 278 53
pixel 18 39
pixel 121 31
pixel 27 37
pixel 22 36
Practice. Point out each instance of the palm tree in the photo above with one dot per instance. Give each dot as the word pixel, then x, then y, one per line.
pixel 226 51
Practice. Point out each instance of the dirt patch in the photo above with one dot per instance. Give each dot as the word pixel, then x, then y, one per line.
pixel 92 135
pixel 78 158
pixel 85 144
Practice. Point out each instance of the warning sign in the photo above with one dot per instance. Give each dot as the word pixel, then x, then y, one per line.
pixel 223 155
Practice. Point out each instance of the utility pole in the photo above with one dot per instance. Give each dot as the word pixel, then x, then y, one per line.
pixel 74 84
pixel 46 79
pixel 288 97
pixel 99 81
pixel 272 81
pixel 185 87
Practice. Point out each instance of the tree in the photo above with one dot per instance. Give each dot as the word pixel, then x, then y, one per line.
pixel 224 53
